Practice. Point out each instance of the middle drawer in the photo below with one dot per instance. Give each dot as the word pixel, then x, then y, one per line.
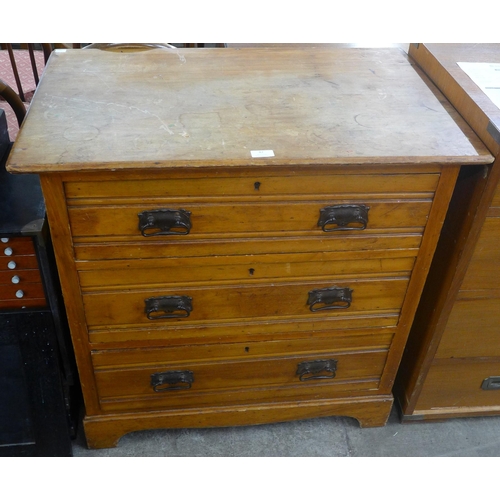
pixel 230 302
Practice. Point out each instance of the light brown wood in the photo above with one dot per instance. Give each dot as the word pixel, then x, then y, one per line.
pixel 464 336
pixel 178 127
pixel 309 106
pixel 116 248
pixel 269 329
pixel 105 431
pixel 251 268
pixel 496 199
pixel 185 187
pixel 229 381
pixel 287 300
pixel 458 312
pixel 439 61
pixel 483 272
pixel 457 383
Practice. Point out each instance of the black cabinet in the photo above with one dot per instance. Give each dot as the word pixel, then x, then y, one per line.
pixel 39 390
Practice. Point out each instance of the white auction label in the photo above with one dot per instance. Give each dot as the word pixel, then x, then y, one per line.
pixel 262 153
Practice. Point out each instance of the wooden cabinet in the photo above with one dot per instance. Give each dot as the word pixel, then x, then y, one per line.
pixel 39 391
pixel 245 239
pixel 451 367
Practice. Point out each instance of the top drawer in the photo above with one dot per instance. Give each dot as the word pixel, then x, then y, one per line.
pixel 225 207
pixel 252 186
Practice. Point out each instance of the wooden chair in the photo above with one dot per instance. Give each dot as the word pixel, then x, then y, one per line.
pixel 14 108
pixel 128 47
pixel 20 67
pixel 132 47
pixel 21 58
pixel 14 101
pixel 202 45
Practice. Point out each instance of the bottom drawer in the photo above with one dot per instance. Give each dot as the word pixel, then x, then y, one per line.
pixel 209 382
pixel 458 383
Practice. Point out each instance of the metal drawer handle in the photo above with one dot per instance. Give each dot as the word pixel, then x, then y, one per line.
pixel 170 306
pixel 318 369
pixel 164 221
pixel 491 384
pixel 175 380
pixel 333 298
pixel 343 218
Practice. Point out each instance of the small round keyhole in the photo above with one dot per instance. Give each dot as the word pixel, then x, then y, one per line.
pixel 256 185
pixel 247 349
pixel 251 271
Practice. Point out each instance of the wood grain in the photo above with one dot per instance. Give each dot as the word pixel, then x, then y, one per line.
pixel 457 314
pixel 138 131
pixel 158 109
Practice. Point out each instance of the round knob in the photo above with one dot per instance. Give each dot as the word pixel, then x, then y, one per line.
pixel 11 265
pixel 8 251
pixel 19 294
pixel 15 279
pixel 4 240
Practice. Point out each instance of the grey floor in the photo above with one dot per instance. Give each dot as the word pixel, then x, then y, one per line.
pixel 322 437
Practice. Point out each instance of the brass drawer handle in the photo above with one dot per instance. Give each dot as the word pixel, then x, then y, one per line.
pixel 169 306
pixel 343 218
pixel 164 221
pixel 318 369
pixel 175 380
pixel 333 298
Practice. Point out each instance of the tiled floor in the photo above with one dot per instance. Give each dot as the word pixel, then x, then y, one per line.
pixel 322 437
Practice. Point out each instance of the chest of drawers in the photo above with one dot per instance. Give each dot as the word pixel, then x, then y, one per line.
pixel 451 367
pixel 247 240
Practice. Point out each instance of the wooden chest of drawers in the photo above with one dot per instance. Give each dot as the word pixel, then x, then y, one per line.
pixel 243 245
pixel 451 366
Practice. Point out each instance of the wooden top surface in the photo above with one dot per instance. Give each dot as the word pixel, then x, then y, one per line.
pixel 190 107
pixel 448 55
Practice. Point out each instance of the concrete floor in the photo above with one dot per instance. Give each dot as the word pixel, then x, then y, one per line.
pixel 321 437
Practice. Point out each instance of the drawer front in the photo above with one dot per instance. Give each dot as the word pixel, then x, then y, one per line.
pixel 228 220
pixel 483 272
pixel 251 186
pixel 116 273
pixel 206 304
pixel 256 329
pixel 18 262
pixel 473 328
pixel 12 247
pixel 20 276
pixel 21 296
pixel 197 382
pixel 179 247
pixel 458 383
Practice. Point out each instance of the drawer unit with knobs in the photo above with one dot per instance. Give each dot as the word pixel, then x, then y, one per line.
pixel 244 245
pixel 20 281
pixel 39 391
